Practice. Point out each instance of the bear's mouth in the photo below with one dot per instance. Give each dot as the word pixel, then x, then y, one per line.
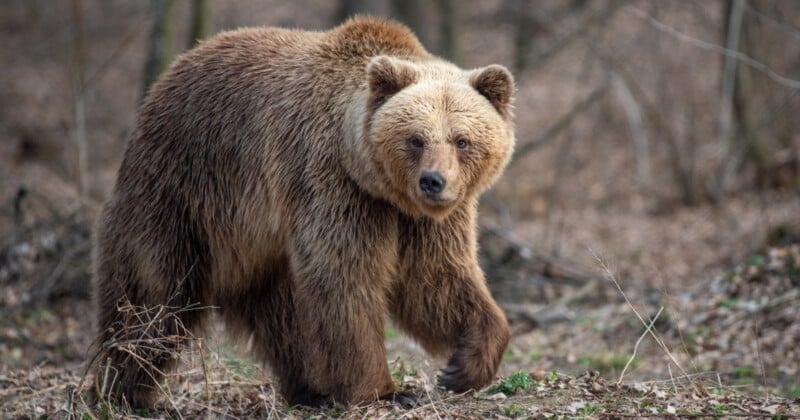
pixel 438 201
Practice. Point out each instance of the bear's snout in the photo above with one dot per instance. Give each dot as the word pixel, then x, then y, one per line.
pixel 431 183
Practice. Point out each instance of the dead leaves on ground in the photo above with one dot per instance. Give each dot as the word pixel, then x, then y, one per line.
pixel 52 392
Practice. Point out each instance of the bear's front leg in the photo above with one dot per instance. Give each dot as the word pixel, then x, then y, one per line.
pixel 442 301
pixel 343 257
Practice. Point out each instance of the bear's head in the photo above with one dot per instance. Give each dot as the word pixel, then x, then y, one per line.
pixel 436 135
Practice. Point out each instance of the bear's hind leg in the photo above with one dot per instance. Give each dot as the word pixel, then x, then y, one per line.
pixel 265 309
pixel 144 318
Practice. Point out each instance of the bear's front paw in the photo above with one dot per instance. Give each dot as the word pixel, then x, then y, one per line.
pixel 461 376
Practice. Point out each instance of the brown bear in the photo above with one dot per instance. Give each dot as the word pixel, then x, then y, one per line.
pixel 306 185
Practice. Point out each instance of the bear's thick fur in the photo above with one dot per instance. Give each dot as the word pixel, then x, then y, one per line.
pixel 307 185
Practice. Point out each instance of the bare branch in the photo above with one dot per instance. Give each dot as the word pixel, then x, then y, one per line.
pixel 779 25
pixel 596 18
pixel 561 124
pixel 708 46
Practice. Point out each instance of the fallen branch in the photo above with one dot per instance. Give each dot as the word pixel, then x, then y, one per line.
pixel 708 46
pixel 549 266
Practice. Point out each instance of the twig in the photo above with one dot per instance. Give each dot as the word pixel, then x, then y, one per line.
pixel 658 340
pixel 761 361
pixel 636 346
pixel 432 404
pixel 205 371
pixel 70 407
pixel 779 25
pixel 672 379
pixel 143 364
pixel 272 407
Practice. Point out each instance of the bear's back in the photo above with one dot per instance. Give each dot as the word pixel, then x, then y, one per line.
pixel 226 86
pixel 363 37
pixel 345 48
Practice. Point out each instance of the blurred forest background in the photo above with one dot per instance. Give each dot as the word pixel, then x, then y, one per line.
pixel 658 149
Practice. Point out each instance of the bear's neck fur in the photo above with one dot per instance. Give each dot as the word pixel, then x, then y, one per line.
pixel 357 156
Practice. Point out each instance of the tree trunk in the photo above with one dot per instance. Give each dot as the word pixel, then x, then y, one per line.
pixel 748 104
pixel 734 11
pixel 160 40
pixel 79 96
pixel 412 13
pixel 448 25
pixel 525 30
pixel 201 22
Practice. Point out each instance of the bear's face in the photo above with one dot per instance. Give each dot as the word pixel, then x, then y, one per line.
pixel 438 134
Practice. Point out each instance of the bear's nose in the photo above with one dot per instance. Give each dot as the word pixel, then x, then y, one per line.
pixel 431 183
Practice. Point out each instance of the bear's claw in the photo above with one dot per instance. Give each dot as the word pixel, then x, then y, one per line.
pixel 453 379
pixel 404 400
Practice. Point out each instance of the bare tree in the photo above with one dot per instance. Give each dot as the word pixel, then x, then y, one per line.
pixel 79 98
pixel 448 29
pixel 735 11
pixel 201 22
pixel 413 13
pixel 527 26
pixel 159 52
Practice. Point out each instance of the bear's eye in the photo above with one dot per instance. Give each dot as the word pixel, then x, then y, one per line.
pixel 416 142
pixel 462 143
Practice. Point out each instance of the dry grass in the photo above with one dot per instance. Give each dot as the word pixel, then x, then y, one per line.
pixel 144 334
pixel 55 393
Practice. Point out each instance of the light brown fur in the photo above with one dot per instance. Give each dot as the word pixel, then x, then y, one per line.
pixel 270 175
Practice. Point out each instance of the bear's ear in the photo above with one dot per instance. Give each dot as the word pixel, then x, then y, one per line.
pixel 387 76
pixel 496 83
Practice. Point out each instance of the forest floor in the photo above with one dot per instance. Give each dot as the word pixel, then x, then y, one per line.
pixel 724 345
